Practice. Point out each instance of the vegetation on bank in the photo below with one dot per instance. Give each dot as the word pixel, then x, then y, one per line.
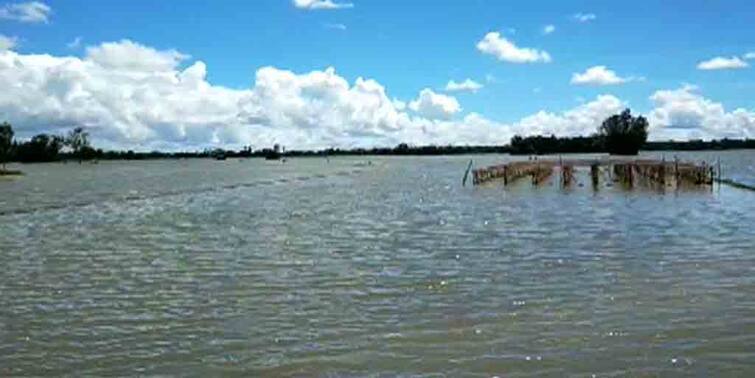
pixel 539 145
pixel 619 134
pixel 623 134
pixel 45 147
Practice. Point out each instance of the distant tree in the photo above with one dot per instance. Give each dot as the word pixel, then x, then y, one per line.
pixel 401 149
pixel 78 140
pixel 541 145
pixel 40 148
pixel 89 153
pixel 6 142
pixel 623 134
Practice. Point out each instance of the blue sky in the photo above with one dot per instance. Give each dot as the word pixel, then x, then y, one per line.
pixel 407 46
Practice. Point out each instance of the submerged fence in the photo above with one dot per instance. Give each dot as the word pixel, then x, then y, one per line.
pixel 628 172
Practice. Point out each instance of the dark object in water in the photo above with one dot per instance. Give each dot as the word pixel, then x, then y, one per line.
pixel 466 173
pixel 595 175
pixel 735 184
pixel 7 172
pixel 220 157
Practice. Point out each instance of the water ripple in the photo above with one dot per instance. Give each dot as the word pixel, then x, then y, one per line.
pixel 309 269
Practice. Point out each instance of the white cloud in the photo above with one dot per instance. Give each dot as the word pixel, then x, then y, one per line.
pixel 128 55
pixel 335 26
pixel 585 17
pixel 722 63
pixel 133 96
pixel 750 55
pixel 31 12
pixel 435 105
pixel 130 96
pixel 467 85
pixel 548 29
pixel 503 49
pixel 398 104
pixel 582 120
pixel 128 103
pixel 75 44
pixel 7 43
pixel 598 75
pixel 684 111
pixel 321 4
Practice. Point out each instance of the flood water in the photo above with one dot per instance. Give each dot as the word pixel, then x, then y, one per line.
pixel 377 266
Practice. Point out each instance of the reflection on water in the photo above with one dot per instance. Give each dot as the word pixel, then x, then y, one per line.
pixel 343 268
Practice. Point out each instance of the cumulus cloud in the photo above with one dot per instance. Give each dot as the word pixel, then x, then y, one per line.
pixel 687 110
pixel 503 49
pixel 722 63
pixel 585 17
pixel 321 4
pixel 123 103
pixel 31 12
pixel 320 108
pixel 598 75
pixel 582 120
pixel 435 105
pixel 136 97
pixel 467 85
pixel 7 43
pixel 131 96
pixel 548 29
pixel 131 56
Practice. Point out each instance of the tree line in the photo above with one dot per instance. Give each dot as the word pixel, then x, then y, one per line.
pixel 45 147
pixel 619 134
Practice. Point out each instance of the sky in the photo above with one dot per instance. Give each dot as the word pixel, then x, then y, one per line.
pixel 190 74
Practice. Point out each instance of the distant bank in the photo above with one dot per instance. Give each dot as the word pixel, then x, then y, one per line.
pixel 622 134
pixel 541 145
pixel 537 145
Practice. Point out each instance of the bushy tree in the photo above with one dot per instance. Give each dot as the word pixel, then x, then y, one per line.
pixel 78 140
pixel 6 142
pixel 40 148
pixel 623 134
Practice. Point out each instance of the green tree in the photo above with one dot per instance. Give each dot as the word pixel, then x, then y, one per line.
pixel 623 134
pixel 6 142
pixel 78 140
pixel 40 148
pixel 401 149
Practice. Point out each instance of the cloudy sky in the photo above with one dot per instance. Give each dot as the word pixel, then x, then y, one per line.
pixel 182 75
